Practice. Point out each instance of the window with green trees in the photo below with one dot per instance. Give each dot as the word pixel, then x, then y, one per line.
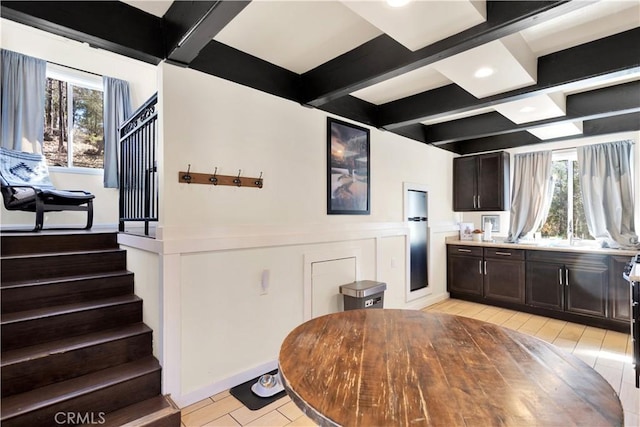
pixel 73 129
pixel 566 204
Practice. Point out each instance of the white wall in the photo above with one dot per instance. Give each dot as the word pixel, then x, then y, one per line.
pixel 211 123
pixel 571 143
pixel 218 240
pixel 142 78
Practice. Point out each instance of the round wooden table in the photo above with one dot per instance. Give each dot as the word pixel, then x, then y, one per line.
pixel 386 367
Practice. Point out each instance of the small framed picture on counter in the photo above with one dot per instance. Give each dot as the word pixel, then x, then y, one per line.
pixel 466 230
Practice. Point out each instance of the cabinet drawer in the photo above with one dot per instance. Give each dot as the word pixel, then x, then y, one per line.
pixel 504 253
pixel 568 257
pixel 465 250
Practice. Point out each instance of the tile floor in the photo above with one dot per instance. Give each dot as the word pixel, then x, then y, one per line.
pixel 608 352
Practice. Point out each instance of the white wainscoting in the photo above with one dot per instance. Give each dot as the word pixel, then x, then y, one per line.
pixel 298 259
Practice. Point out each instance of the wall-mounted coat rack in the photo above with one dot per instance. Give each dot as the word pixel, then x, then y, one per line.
pixel 189 177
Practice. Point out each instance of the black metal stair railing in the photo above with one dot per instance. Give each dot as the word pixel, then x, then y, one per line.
pixel 138 166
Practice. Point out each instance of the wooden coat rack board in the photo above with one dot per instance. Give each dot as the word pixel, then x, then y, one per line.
pixel 189 177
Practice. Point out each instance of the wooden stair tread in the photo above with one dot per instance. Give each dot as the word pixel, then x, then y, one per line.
pixel 40 313
pixel 45 266
pixel 57 254
pixel 32 400
pixel 56 241
pixel 63 279
pixel 69 344
pixel 141 413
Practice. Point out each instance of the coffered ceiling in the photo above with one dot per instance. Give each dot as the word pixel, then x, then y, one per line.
pixel 465 75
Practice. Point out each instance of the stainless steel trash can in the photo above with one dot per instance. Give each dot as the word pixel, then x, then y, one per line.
pixel 363 294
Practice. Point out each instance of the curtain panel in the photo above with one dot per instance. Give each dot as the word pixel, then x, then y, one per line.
pixel 531 193
pixel 117 108
pixel 22 93
pixel 607 192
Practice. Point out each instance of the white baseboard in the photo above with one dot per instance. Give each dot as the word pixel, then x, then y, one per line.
pixel 225 384
pixel 432 299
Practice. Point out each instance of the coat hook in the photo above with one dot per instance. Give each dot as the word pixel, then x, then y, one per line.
pixel 258 182
pixel 214 178
pixel 186 176
pixel 238 181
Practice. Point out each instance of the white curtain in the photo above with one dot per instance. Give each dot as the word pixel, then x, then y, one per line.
pixel 607 193
pixel 22 91
pixel 531 193
pixel 117 108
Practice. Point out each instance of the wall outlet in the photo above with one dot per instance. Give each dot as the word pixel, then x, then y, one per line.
pixel 264 282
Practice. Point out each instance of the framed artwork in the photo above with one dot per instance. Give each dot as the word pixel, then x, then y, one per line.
pixel 493 219
pixel 348 169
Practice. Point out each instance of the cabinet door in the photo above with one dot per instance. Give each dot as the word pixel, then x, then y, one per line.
pixel 464 183
pixel 586 287
pixel 504 280
pixel 465 274
pixel 491 183
pixel 619 290
pixel 544 285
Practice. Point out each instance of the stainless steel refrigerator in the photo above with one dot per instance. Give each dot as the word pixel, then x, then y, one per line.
pixel 418 223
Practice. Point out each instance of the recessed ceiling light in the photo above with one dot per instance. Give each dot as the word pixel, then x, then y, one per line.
pixel 483 72
pixel 557 131
pixel 527 109
pixel 397 3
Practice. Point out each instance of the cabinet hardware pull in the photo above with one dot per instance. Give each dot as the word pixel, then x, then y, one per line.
pixel 503 253
pixel 566 276
pixel 478 201
pixel 480 267
pixel 464 250
pixel 485 268
pixel 474 201
pixel 560 276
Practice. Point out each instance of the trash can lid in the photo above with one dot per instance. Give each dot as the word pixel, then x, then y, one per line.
pixel 363 288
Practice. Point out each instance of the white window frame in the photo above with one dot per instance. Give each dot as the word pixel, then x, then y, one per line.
pixel 78 78
pixel 570 154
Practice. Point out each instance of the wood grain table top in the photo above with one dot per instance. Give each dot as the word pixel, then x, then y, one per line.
pixel 382 367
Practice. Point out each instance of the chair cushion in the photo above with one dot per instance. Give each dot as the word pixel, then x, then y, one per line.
pixel 24 169
pixel 62 197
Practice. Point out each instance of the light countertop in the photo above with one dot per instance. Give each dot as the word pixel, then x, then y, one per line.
pixel 544 246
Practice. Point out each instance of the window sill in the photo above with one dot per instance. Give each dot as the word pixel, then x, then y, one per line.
pixel 78 171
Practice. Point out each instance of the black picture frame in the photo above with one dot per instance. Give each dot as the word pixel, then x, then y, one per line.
pixel 348 169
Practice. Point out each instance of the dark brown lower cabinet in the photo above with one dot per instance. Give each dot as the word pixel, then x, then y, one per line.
pixel 572 282
pixel 496 274
pixel 573 286
pixel 586 287
pixel 464 269
pixel 504 274
pixel 544 287
pixel 619 289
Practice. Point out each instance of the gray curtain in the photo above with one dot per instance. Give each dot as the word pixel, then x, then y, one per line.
pixel 22 91
pixel 117 108
pixel 531 193
pixel 607 193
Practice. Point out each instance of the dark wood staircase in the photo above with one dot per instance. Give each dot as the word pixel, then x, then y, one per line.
pixel 74 348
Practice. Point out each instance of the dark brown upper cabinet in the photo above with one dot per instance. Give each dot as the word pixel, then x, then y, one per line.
pixel 481 183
